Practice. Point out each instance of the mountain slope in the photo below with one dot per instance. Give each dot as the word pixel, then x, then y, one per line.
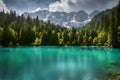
pixel 92 14
pixel 108 22
pixel 73 19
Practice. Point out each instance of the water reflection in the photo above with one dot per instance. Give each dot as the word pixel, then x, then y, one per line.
pixel 56 63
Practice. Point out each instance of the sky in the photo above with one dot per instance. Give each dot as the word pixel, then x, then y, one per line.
pixel 22 6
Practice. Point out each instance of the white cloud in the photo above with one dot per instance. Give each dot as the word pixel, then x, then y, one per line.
pixel 3 6
pixel 59 6
pixel 77 5
pixel 38 9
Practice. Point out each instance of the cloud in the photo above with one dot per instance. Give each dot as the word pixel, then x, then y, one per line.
pixel 21 6
pixel 77 5
pixel 3 6
pixel 57 5
pixel 38 9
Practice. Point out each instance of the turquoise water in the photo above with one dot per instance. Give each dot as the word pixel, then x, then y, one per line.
pixel 57 63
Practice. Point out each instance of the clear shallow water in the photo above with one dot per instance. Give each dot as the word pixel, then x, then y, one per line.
pixel 57 63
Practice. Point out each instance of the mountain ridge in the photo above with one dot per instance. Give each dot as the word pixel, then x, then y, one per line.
pixel 107 24
pixel 72 19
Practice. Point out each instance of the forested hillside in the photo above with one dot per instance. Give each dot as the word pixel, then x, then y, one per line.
pixel 103 30
pixel 18 31
pixel 107 25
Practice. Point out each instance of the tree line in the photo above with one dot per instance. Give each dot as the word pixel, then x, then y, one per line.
pixel 103 30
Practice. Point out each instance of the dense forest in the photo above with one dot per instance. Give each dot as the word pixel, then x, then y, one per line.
pixel 107 25
pixel 103 30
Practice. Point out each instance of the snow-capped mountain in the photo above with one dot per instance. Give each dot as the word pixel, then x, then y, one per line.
pixel 72 19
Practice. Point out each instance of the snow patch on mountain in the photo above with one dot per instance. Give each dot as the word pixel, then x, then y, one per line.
pixel 72 19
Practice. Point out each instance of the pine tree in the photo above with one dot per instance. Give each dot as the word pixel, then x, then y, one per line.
pixel 112 34
pixel 27 35
pixel 44 40
pixel 6 36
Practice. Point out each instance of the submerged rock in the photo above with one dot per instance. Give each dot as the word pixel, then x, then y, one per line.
pixel 112 72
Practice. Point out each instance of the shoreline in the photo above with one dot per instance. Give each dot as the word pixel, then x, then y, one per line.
pixel 52 46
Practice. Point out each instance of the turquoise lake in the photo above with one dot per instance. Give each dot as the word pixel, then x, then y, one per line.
pixel 59 63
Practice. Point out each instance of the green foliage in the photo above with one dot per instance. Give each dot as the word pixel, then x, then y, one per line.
pixel 54 38
pixel 79 38
pixel 8 36
pixel 102 38
pixel 104 29
pixel 118 35
pixel 65 37
pixel 27 35
pixel 44 39
pixel 106 24
pixel 1 31
pixel 37 42
pixel 85 39
pixel 95 41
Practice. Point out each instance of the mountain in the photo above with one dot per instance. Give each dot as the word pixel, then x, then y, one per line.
pixel 81 16
pixel 107 24
pixel 42 14
pixel 76 19
pixel 102 30
pixel 105 19
pixel 92 14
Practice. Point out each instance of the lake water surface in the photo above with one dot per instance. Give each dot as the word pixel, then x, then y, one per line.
pixel 59 63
